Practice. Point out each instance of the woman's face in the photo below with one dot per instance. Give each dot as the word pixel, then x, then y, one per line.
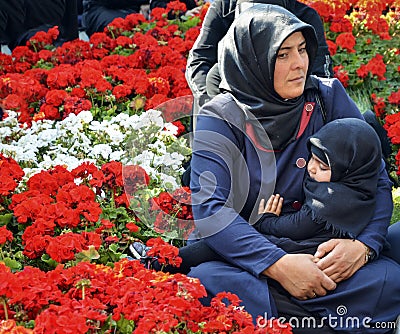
pixel 291 67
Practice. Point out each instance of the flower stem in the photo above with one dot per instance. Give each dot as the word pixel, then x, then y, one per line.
pixel 3 301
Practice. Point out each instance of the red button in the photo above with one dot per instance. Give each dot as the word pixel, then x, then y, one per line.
pixel 296 205
pixel 301 163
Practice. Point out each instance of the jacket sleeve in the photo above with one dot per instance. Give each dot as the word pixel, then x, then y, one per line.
pixel 222 227
pixel 341 106
pixel 296 226
pixel 204 52
pixel 70 21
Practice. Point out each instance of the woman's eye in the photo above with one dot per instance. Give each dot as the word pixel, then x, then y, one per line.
pixel 302 50
pixel 282 55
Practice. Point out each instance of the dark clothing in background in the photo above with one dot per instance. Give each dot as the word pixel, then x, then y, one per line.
pixel 97 14
pixel 190 4
pixel 11 20
pixel 24 18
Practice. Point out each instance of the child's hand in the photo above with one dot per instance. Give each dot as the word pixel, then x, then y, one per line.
pixel 274 205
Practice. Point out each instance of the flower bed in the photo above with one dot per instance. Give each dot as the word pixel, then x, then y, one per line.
pixel 93 142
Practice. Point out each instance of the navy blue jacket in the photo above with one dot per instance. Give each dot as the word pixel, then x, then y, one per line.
pixel 226 188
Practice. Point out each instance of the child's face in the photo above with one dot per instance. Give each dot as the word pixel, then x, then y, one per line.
pixel 318 170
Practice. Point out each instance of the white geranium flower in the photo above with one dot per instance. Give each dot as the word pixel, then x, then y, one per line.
pixel 149 118
pixel 144 159
pixel 47 136
pixel 169 182
pixel 96 126
pixel 116 136
pixel 66 160
pixel 169 159
pixel 29 172
pixel 85 116
pixel 28 139
pixel 17 153
pixel 81 144
pixel 121 119
pixel 101 150
pixel 116 155
pixel 158 146
pixel 5 132
pixel 170 129
pixel 40 126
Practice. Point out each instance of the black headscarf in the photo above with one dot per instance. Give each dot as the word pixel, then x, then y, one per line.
pixel 247 56
pixel 353 151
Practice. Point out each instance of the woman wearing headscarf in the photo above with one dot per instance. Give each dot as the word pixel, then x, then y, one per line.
pixel 250 142
pixel 202 61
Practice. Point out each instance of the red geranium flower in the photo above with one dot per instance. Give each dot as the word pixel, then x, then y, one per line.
pixel 392 126
pixel 10 174
pixel 379 105
pixel 134 178
pixel 346 41
pixel 332 47
pixel 342 75
pixel 394 98
pixel 341 25
pixel 132 227
pixel 166 253
pixel 56 97
pixel 5 235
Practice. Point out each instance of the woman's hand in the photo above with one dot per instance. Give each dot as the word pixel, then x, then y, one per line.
pixel 300 276
pixel 340 258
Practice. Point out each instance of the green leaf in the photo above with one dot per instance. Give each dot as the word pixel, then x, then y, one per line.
pixel 125 326
pixel 12 264
pixel 5 219
pixel 88 255
pixel 47 259
pixel 113 248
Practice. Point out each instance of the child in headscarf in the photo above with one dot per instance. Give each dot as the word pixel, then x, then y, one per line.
pixel 339 189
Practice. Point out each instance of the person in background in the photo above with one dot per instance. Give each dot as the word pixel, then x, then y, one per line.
pixel 97 14
pixel 21 19
pixel 12 16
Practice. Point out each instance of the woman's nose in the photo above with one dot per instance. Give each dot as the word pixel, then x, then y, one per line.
pixel 297 60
